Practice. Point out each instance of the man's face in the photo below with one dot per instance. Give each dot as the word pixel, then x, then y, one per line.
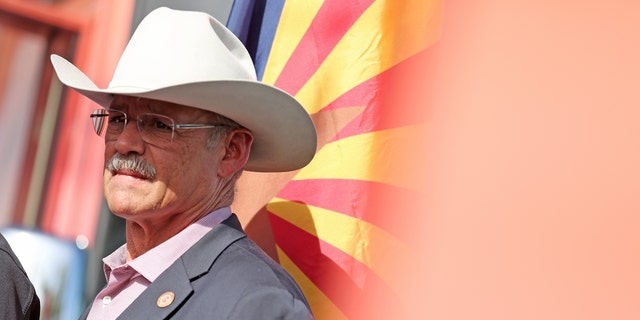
pixel 185 168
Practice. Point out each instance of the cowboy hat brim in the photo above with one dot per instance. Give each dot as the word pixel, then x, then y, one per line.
pixel 284 135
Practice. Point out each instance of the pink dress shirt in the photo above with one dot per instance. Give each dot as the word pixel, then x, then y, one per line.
pixel 127 280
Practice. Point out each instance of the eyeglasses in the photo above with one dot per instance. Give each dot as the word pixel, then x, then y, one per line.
pixel 152 127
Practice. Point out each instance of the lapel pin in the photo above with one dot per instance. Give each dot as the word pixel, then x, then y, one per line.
pixel 165 299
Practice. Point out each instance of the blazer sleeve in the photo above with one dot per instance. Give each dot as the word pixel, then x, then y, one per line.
pixel 268 303
pixel 17 295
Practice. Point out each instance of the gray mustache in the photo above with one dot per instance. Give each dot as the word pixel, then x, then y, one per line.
pixel 132 162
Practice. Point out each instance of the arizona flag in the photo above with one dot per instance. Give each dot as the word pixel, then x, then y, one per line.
pixel 346 225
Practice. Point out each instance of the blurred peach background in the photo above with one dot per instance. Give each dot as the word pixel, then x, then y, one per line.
pixel 532 171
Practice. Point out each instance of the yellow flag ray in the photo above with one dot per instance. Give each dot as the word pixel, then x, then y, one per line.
pixel 366 50
pixel 321 306
pixel 380 156
pixel 295 19
pixel 365 242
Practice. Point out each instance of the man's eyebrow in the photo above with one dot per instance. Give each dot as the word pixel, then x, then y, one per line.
pixel 117 104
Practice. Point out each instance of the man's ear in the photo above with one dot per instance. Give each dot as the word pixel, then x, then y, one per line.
pixel 237 146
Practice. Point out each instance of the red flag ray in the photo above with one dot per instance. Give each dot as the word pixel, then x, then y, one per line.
pixel 317 260
pixel 328 27
pixel 384 107
pixel 369 201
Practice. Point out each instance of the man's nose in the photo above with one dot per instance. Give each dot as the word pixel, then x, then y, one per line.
pixel 130 140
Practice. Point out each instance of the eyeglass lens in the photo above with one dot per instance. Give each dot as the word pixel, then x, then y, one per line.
pixel 151 126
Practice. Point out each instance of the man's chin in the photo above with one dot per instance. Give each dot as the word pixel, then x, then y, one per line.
pixel 125 210
pixel 125 199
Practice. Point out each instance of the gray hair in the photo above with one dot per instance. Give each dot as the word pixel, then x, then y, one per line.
pixel 217 135
pixel 220 133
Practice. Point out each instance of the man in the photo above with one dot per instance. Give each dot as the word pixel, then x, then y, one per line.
pixel 183 116
pixel 18 299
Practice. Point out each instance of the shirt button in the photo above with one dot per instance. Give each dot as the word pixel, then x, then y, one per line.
pixel 106 300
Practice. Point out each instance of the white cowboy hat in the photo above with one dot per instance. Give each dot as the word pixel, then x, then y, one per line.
pixel 189 58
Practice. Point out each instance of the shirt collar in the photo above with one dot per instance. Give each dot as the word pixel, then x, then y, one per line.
pixel 153 262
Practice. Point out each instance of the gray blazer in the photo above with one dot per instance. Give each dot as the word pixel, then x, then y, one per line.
pixel 225 275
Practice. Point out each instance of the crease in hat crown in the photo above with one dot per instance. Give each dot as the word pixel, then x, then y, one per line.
pixel 189 58
pixel 160 53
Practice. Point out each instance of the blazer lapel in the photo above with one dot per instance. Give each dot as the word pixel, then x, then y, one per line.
pixel 173 286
